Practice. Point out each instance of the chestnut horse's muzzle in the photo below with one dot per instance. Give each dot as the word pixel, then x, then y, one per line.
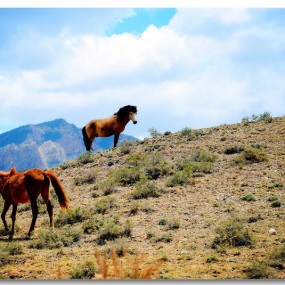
pixel 135 122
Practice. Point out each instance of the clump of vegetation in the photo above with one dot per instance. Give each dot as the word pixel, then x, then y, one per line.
pixel 251 155
pixel 153 132
pixel 232 233
pixel 258 270
pixel 111 230
pixel 15 249
pixel 248 197
pixel 71 216
pixel 84 270
pixel 156 167
pixel 85 158
pixel 103 205
pixel 108 186
pixel 180 178
pixel 127 176
pixel 88 178
pixel 125 147
pixel 93 224
pixel 266 116
pixel 233 149
pixel 145 189
pixel 126 267
pixel 55 239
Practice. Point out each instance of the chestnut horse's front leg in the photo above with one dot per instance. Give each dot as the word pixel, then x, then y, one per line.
pixel 116 138
pixel 35 212
pixel 13 216
pixel 7 205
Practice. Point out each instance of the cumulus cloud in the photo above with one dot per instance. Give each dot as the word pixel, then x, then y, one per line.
pixel 204 68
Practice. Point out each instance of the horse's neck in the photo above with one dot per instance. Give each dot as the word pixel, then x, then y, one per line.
pixel 122 121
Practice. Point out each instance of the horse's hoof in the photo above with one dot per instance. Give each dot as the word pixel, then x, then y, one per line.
pixel 28 237
pixel 10 237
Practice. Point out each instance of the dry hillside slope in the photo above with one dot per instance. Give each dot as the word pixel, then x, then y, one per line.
pixel 203 204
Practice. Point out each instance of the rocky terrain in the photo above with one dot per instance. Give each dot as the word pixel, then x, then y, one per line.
pixel 197 204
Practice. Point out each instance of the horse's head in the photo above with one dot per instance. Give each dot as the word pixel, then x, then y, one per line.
pixel 133 114
pixel 127 113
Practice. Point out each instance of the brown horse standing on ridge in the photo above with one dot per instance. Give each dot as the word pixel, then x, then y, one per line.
pixel 107 127
pixel 23 187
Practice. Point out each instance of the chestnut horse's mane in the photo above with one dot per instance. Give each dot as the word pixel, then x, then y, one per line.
pixel 124 111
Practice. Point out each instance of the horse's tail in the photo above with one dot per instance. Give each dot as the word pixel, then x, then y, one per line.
pixel 86 139
pixel 62 198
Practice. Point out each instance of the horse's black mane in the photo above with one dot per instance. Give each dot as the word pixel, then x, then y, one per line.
pixel 125 111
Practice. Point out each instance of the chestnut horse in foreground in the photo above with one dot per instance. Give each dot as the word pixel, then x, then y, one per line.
pixel 107 127
pixel 24 187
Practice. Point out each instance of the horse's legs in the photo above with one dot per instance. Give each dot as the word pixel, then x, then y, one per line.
pixel 116 138
pixel 50 212
pixel 35 212
pixel 3 215
pixel 13 216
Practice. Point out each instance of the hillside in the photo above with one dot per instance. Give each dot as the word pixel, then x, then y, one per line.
pixel 203 204
pixel 45 145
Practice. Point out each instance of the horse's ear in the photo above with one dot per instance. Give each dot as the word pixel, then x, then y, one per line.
pixel 13 171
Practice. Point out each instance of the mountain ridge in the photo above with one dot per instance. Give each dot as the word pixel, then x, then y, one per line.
pixel 45 145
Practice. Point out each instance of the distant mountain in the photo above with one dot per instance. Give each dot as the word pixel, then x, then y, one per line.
pixel 46 145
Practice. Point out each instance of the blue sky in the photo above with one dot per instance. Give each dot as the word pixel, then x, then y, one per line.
pixel 182 67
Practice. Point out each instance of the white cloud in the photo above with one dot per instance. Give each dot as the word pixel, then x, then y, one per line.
pixel 193 72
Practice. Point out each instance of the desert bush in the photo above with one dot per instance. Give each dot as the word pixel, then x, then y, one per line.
pixel 93 224
pixel 84 270
pixel 15 249
pixel 258 270
pixel 88 178
pixel 127 176
pixel 186 132
pixel 112 230
pixel 145 189
pixel 248 197
pixel 156 167
pixel 179 178
pixel 251 155
pixel 136 159
pixel 71 216
pixel 108 186
pixel 234 149
pixel 54 239
pixel 85 158
pixel 125 147
pixel 276 204
pixel 103 205
pixel 153 132
pixel 278 253
pixel 232 233
pixel 211 258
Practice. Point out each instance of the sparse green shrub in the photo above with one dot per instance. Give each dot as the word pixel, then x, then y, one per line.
pixel 165 237
pixel 5 258
pixel 211 259
pixel 173 224
pixel 232 233
pixel 198 162
pixel 248 197
pixel 156 167
pixel 179 178
pixel 134 208
pixel 153 132
pixel 145 189
pixel 251 155
pixel 278 253
pixel 125 147
pixel 103 205
pixel 54 239
pixel 108 186
pixel 234 149
pixel 186 132
pixel 15 249
pixel 88 178
pixel 258 270
pixel 111 230
pixel 276 204
pixel 85 158
pixel 84 270
pixel 127 176
pixel 71 216
pixel 136 159
pixel 93 224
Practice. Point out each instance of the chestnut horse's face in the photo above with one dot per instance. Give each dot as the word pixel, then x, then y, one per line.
pixel 133 116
